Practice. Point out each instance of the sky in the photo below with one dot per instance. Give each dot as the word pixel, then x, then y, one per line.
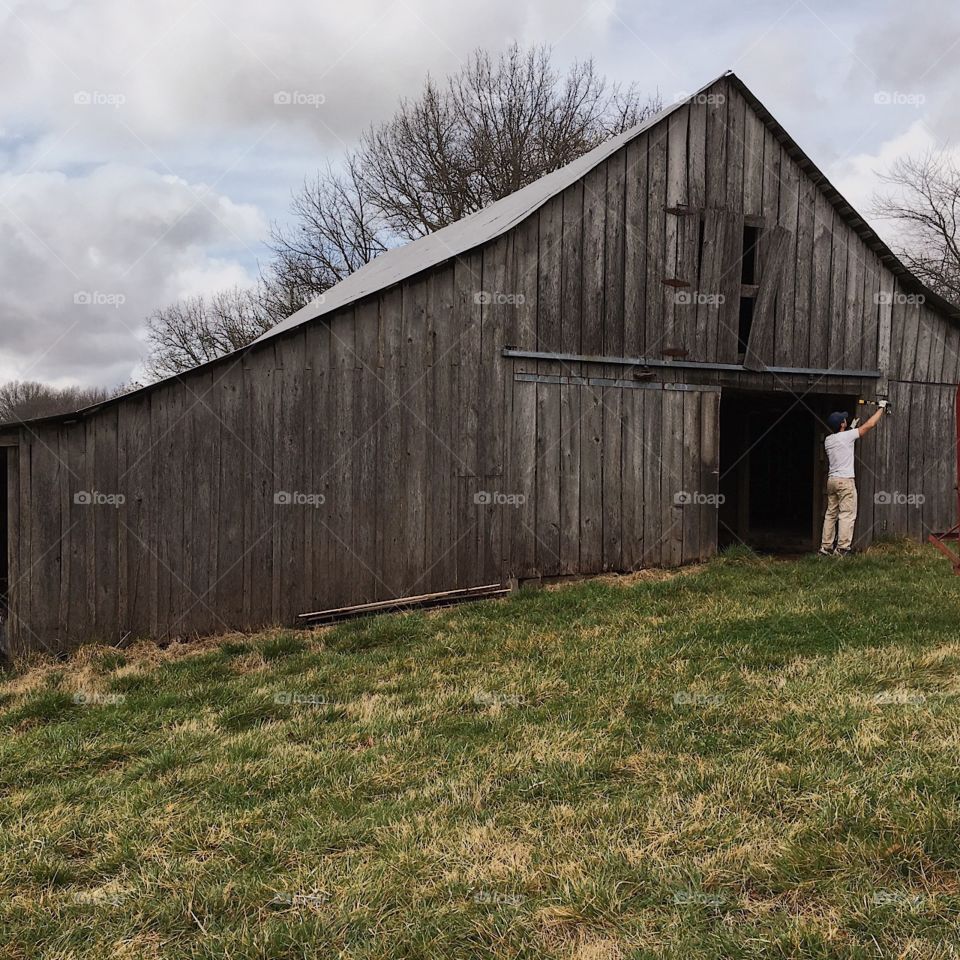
pixel 146 148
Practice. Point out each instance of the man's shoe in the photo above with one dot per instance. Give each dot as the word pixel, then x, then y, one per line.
pixel 825 553
pixel 843 554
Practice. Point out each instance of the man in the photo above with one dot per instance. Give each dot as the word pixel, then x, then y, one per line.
pixel 841 487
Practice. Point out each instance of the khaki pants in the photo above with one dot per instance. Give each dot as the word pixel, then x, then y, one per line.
pixel 842 504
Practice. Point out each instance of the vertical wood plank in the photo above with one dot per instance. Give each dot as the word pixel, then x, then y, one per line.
pixel 548 477
pixel 709 457
pixel 804 303
pixel 636 251
pixel 869 306
pixel 787 218
pixel 44 571
pixel 594 231
pixel 711 285
pixel 202 527
pixel 675 265
pixel 521 519
pixel 693 512
pixel 697 154
pixel 67 486
pixel 366 483
pixel 820 316
pixel 736 121
pixel 717 104
pixel 290 466
pixel 884 317
pixel 466 318
pixel 838 295
pixel 925 338
pixel 731 264
pixel 909 325
pixel 632 459
pixel 25 538
pixel 612 517
pixel 615 227
pixel 570 442
pixel 571 279
pixel 413 430
pixel 229 591
pixel 754 143
pixel 653 552
pixel 655 333
pixel 440 469
pixel 105 546
pixel 671 484
pixel 549 269
pixel 390 451
pixel 591 479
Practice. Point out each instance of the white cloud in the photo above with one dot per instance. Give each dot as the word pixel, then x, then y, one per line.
pixel 84 259
pixel 117 71
pixel 858 177
pixel 861 168
pixel 912 52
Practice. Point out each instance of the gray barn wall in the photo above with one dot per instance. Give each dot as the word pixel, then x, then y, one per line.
pixel 402 412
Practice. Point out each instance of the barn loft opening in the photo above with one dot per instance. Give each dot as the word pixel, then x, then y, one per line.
pixel 772 469
pixel 748 281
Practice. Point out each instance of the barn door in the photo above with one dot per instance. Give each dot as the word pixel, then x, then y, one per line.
pixel 689 484
pixel 606 474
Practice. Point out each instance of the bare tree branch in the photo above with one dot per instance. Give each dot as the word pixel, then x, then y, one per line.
pixel 923 195
pixel 197 329
pixel 490 129
pixel 26 399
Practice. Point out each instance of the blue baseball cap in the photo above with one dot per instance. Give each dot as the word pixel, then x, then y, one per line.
pixel 836 418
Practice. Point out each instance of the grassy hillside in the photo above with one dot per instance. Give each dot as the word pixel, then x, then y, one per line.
pixel 754 758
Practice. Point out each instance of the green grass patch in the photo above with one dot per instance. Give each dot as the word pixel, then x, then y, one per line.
pixel 755 758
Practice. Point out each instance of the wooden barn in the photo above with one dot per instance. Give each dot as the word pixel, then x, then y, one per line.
pixel 625 364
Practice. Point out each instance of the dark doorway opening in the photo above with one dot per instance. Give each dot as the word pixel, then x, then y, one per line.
pixel 772 468
pixel 4 533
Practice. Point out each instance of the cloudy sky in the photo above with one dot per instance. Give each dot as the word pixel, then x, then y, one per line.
pixel 143 156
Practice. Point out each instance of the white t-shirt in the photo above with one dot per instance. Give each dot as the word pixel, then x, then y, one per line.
pixel 839 447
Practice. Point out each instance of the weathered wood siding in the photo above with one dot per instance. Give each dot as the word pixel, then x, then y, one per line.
pixel 423 459
pixel 635 221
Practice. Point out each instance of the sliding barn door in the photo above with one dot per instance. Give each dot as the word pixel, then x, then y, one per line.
pixel 606 474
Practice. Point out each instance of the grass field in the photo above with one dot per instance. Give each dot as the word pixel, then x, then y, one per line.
pixel 754 758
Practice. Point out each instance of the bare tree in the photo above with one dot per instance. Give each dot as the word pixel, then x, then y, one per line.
pixel 923 197
pixel 494 127
pixel 490 129
pixel 197 329
pixel 336 230
pixel 282 291
pixel 26 399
